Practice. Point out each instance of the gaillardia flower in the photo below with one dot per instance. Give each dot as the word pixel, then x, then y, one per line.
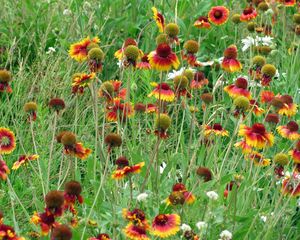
pixel 8 233
pixel 23 160
pixel 54 202
pixel 162 123
pixel 256 64
pixel 95 59
pixel 230 63
pixel 181 83
pixel 199 80
pixel 57 104
pixel 163 59
pixel 4 170
pixel 268 72
pixel 191 47
pixel 72 194
pixel 159 19
pixel 101 236
pixel 258 159
pixel 295 153
pixel 7 141
pixel 172 30
pixel 289 108
pixel 215 129
pixel 165 225
pixel 180 195
pixel 254 107
pixel 244 146
pixel 136 232
pixel 289 131
pixel 113 140
pixel 202 22
pixel 46 220
pixel 248 14
pixel 218 15
pixel 256 136
pixel 124 169
pixel 31 108
pixel 81 81
pixel 144 63
pixel 288 3
pixel 5 78
pixel 120 54
pixel 119 111
pixel 291 185
pixel 204 173
pixel 239 88
pixel 162 91
pixel 266 96
pixel 61 232
pixel 79 51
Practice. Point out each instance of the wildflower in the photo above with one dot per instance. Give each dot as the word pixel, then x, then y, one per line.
pixel 242 104
pixel 5 78
pixel 165 225
pixel 291 185
pixel 144 63
pixel 288 108
pixel 136 232
pixel 162 92
pixel 248 14
pixel 201 225
pixel 142 197
pixel 199 80
pixel 119 111
pixel 81 81
pixel 256 64
pixel 57 104
pixel 204 173
pixel 8 233
pixel 212 195
pixel 244 146
pixel 184 227
pixel 159 19
pixel 79 51
pixel 163 59
pixel 230 185
pixel 262 41
pixel 132 51
pixel 4 170
pixel 272 118
pixel 202 22
pixel 31 108
pixel 54 202
pixel 256 136
pixel 236 18
pixel 61 232
pixel 280 159
pixel 180 86
pixel 7 141
pixel 74 148
pixel 288 3
pixel 290 131
pixel 95 59
pixel 67 12
pixel 162 123
pixel 230 63
pixel 46 221
pixel 172 30
pixel 295 153
pixel 112 89
pixel 216 129
pixel 101 236
pixel 258 159
pixel 254 106
pixel 51 50
pixel 225 235
pixel 207 98
pixel 263 218
pixel 239 88
pixel 140 107
pixel 113 140
pixel 266 96
pixel 218 15
pixel 191 47
pixel 125 170
pixel 72 194
pixel 23 160
pixel 268 72
pixel 180 195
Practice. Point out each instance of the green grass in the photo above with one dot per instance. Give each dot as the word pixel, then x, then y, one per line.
pixel 28 28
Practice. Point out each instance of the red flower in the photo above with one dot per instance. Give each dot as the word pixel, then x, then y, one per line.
pixel 163 92
pixel 4 170
pixel 216 129
pixel 144 63
pixel 295 153
pixel 165 225
pixel 230 63
pixel 79 50
pixel 290 131
pixel 199 80
pixel 122 172
pixel 23 160
pixel 163 59
pixel 291 185
pixel 81 81
pixel 46 221
pixel 239 88
pixel 101 236
pixel 202 22
pixel 8 233
pixel 266 96
pixel 7 141
pixel 218 15
pixel 254 107
pixel 159 19
pixel 119 111
pixel 248 14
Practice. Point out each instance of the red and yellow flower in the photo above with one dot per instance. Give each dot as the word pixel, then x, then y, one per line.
pixel 119 111
pixel 23 160
pixel 7 141
pixel 136 232
pixel 128 42
pixel 258 159
pixel 239 88
pixel 4 170
pixel 72 195
pixel 218 15
pixel 291 185
pixel 46 221
pixel 288 3
pixel 256 136
pixel 124 171
pixel 144 63
pixel 295 153
pixel 266 96
pixel 289 131
pixel 215 129
pixel 81 81
pixel 79 50
pixel 78 150
pixel 159 19
pixel 165 225
pixel 248 14
pixel 180 195
pixel 112 89
pixel 202 22
pixel 254 107
pixel 199 80
pixel 101 236
pixel 163 59
pixel 289 108
pixel 230 63
pixel 8 233
pixel 163 92
pixel 244 146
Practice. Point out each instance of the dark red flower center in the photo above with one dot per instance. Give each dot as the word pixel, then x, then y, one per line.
pixel 145 58
pixel 140 230
pixel 130 41
pixel 199 76
pixel 241 83
pixel 47 218
pixel 218 14
pixel 179 187
pixel 248 10
pixel 161 219
pixel 139 214
pixel 122 162
pixel 164 86
pixel 203 19
pixel 163 50
pixel 258 128
pixel 273 118
pixel 217 126
pixel 293 126
pixel 287 99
